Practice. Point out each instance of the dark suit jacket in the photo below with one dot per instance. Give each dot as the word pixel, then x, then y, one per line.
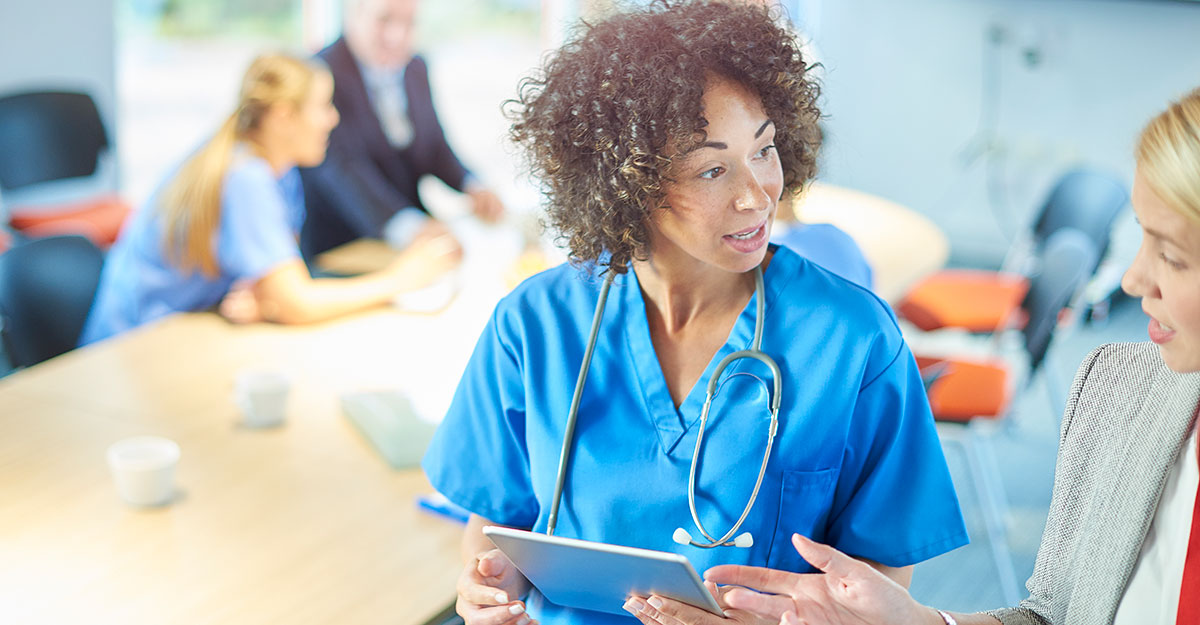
pixel 364 180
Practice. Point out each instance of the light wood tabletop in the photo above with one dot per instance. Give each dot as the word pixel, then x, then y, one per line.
pixel 303 523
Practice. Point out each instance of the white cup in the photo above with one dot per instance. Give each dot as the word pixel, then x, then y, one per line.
pixel 262 397
pixel 144 469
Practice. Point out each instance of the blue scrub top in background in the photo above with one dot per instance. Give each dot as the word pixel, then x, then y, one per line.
pixel 261 215
pixel 828 246
pixel 857 463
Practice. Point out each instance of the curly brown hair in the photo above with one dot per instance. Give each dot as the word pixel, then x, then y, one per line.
pixel 601 120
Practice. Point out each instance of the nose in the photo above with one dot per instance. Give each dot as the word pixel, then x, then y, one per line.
pixel 1138 281
pixel 752 195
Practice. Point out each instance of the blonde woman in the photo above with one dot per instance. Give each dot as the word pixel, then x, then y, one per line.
pixel 224 226
pixel 1122 544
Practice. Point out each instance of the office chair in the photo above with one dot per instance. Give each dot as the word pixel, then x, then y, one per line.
pixel 49 136
pixel 986 301
pixel 46 290
pixel 969 392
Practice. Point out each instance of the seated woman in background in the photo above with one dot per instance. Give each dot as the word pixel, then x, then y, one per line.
pixel 1122 544
pixel 224 226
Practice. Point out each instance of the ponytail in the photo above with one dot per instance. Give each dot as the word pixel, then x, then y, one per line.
pixel 191 204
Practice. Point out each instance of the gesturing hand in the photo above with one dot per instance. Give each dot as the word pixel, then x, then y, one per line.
pixel 485 204
pixel 487 591
pixel 847 592
pixel 431 254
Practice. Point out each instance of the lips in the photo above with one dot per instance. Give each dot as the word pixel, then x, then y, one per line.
pixel 748 240
pixel 1160 333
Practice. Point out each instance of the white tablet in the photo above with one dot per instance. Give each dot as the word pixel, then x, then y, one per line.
pixel 599 576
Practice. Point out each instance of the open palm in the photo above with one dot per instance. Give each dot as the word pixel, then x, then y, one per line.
pixel 846 592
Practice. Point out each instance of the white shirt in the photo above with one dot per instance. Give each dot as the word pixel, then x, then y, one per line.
pixel 385 90
pixel 1152 596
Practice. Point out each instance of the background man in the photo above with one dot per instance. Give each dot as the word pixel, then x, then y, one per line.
pixel 388 138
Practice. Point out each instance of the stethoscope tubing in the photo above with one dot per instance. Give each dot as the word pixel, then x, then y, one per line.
pixel 573 415
pixel 712 390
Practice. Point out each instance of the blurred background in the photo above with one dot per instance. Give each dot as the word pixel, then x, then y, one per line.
pixel 964 111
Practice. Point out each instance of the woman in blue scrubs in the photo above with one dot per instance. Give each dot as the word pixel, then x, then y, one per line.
pixel 223 229
pixel 665 138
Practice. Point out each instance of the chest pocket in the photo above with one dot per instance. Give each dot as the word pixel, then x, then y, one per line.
pixel 804 502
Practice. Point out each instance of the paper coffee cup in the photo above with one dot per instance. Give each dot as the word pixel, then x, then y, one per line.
pixel 262 398
pixel 143 468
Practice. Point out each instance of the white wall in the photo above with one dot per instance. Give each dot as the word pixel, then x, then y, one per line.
pixel 903 96
pixel 61 44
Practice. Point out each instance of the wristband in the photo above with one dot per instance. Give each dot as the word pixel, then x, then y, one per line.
pixel 950 620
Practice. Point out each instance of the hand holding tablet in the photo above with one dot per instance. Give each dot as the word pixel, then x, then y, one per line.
pixel 599 576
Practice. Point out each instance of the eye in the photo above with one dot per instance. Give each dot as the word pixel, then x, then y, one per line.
pixel 712 173
pixel 1173 264
pixel 766 151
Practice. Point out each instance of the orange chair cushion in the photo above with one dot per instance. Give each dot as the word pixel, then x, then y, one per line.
pixel 978 301
pixel 967 389
pixel 99 220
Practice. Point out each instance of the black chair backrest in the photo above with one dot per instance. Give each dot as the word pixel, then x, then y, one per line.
pixel 1067 264
pixel 48 135
pixel 46 290
pixel 1086 200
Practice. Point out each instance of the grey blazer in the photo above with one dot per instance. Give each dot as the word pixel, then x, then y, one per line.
pixel 1126 421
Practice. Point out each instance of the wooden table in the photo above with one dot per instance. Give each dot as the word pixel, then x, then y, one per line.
pixel 901 245
pixel 299 524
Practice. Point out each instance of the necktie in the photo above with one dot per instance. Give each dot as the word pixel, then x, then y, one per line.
pixel 1189 590
pixel 392 109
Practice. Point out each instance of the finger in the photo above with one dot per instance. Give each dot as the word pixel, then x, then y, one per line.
pixel 482 594
pixel 638 607
pixel 771 606
pixel 493 615
pixel 758 578
pixel 789 618
pixel 493 563
pixel 716 593
pixel 671 612
pixel 827 559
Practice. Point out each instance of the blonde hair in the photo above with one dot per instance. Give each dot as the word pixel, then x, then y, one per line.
pixel 191 202
pixel 1168 155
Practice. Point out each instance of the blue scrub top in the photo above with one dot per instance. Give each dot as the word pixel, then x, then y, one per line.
pixel 828 246
pixel 261 215
pixel 857 462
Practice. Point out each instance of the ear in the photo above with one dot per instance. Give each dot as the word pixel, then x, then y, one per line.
pixel 280 115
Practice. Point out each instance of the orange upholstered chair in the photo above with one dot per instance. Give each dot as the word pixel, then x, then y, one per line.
pixel 98 219
pixel 966 392
pixel 988 301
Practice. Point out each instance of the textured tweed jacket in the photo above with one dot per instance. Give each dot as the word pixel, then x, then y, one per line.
pixel 1127 420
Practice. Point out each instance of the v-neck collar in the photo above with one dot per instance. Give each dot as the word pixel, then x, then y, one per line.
pixel 671 423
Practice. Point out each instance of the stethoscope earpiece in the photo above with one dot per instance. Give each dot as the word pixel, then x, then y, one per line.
pixel 682 536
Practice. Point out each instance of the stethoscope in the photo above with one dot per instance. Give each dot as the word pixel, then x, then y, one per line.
pixel 681 535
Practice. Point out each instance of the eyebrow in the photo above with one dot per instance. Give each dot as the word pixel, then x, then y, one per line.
pixel 721 146
pixel 1161 236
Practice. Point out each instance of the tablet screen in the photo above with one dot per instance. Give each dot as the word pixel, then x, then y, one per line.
pixel 599 576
